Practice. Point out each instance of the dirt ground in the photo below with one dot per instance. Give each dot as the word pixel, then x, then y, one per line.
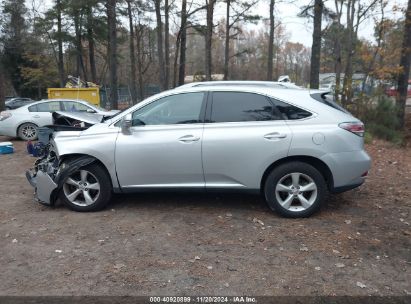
pixel 195 244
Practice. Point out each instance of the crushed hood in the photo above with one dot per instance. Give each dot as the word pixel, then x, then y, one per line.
pixel 89 118
pixel 75 121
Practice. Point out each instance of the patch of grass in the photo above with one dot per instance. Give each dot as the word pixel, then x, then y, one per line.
pixel 386 133
pixel 382 122
pixel 368 137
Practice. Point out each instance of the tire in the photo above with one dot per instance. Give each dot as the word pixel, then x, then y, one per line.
pixel 88 189
pixel 27 131
pixel 295 189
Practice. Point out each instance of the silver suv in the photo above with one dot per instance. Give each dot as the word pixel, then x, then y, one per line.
pixel 291 145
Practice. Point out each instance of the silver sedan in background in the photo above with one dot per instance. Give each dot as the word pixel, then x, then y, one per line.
pixel 24 121
pixel 291 145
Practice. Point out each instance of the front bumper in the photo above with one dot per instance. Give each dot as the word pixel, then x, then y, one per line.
pixel 43 185
pixel 49 175
pixel 7 130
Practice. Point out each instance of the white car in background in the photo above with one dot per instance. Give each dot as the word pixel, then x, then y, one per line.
pixel 24 121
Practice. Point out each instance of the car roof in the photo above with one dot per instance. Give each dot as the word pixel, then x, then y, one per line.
pixel 294 96
pixel 58 99
pixel 53 99
pixel 18 98
pixel 274 84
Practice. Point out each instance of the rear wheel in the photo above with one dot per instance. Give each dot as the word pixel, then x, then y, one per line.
pixel 295 189
pixel 27 131
pixel 87 189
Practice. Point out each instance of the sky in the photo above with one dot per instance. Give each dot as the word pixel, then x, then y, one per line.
pixel 299 29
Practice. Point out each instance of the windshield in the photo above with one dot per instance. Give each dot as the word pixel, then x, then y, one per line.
pixel 115 115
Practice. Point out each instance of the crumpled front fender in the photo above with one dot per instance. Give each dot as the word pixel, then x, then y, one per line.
pixel 47 188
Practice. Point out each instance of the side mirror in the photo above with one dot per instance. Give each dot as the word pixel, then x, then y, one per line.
pixel 91 111
pixel 126 124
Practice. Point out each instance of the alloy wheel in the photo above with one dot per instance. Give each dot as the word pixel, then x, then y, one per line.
pixel 29 132
pixel 296 191
pixel 82 188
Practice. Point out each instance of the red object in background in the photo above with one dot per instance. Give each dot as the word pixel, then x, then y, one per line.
pixel 392 91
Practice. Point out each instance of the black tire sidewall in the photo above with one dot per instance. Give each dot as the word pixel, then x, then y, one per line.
pixel 284 169
pixel 105 190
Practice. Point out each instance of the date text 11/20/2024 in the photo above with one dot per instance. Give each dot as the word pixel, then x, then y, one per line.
pixel 203 299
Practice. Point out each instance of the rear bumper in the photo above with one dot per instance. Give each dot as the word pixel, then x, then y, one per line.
pixel 342 189
pixel 347 168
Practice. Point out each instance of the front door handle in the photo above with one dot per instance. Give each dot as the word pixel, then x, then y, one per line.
pixel 36 116
pixel 275 135
pixel 189 138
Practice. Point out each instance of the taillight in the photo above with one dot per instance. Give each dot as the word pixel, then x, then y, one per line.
pixel 354 127
pixel 4 115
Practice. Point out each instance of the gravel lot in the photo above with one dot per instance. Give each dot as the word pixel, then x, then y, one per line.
pixel 195 244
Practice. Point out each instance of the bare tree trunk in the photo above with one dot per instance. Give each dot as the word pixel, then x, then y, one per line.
pixel 176 53
pixel 140 64
pixel 112 51
pixel 271 43
pixel 227 40
pixel 167 43
pixel 2 87
pixel 60 64
pixel 209 39
pixel 76 29
pixel 405 68
pixel 338 64
pixel 162 70
pixel 347 83
pixel 379 37
pixel 316 46
pixel 79 47
pixel 132 55
pixel 183 43
pixel 90 39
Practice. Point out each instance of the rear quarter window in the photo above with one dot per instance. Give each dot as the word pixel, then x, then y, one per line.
pixel 327 99
pixel 33 108
pixel 290 112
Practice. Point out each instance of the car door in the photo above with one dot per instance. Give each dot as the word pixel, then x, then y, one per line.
pixel 243 134
pixel 163 148
pixel 41 113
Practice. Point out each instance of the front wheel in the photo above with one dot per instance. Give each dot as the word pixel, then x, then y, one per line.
pixel 295 189
pixel 87 189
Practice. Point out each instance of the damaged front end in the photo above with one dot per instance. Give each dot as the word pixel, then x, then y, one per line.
pixel 50 172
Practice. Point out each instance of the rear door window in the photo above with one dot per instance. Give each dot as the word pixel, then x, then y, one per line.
pixel 73 106
pixel 50 106
pixel 240 106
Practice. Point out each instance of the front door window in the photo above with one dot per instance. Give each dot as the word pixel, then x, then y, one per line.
pixel 175 109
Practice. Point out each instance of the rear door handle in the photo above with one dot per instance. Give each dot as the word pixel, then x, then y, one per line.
pixel 275 135
pixel 36 116
pixel 189 138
